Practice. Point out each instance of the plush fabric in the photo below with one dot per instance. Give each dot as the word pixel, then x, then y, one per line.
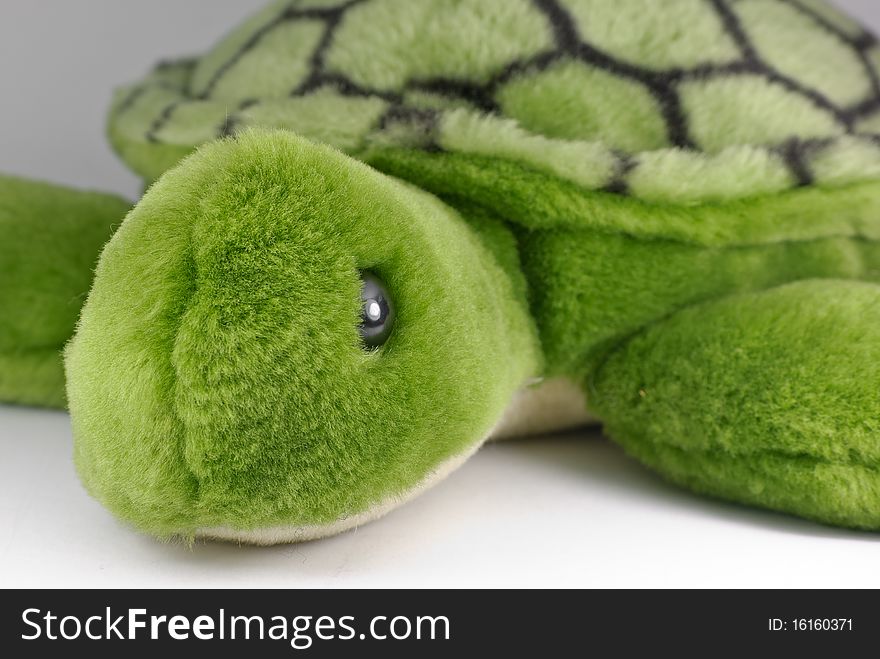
pixel 217 377
pixel 590 292
pixel 767 397
pixel 675 205
pixel 537 200
pixel 682 101
pixel 51 240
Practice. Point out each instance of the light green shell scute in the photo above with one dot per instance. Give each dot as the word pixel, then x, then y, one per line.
pixel 838 73
pixel 690 33
pixel 685 101
pixel 615 111
pixel 405 40
pixel 719 121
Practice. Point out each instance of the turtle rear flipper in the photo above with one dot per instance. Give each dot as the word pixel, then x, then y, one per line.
pixel 765 398
pixel 50 238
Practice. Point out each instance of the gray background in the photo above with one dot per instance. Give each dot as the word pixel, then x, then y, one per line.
pixel 60 61
pixel 561 511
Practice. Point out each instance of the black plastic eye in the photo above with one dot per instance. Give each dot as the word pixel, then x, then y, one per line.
pixel 377 314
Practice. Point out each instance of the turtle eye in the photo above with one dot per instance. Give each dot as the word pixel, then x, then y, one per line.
pixel 377 313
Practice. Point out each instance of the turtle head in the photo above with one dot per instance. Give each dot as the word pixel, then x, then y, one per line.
pixel 281 342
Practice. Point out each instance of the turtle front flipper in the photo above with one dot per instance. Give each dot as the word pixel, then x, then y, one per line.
pixel 769 398
pixel 50 238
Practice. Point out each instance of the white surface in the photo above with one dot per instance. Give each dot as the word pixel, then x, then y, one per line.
pixel 556 512
pixel 569 511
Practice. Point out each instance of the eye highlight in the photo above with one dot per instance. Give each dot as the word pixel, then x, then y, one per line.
pixel 377 312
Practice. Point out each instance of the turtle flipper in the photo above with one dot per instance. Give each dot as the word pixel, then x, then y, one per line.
pixel 769 398
pixel 50 238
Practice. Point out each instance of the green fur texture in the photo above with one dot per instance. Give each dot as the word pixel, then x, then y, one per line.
pixel 675 101
pixel 217 377
pixel 767 398
pixel 51 240
pixel 675 205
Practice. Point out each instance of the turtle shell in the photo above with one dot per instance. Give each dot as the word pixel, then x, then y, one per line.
pixel 683 102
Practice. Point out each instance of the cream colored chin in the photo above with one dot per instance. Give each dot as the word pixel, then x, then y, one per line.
pixel 545 407
pixel 552 405
pixel 276 535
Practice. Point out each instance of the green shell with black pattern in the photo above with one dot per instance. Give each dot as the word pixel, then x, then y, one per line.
pixel 680 102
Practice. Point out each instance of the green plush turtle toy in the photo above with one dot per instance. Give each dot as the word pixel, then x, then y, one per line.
pixel 380 232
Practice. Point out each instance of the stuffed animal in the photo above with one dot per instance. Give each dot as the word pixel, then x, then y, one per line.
pixel 381 232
